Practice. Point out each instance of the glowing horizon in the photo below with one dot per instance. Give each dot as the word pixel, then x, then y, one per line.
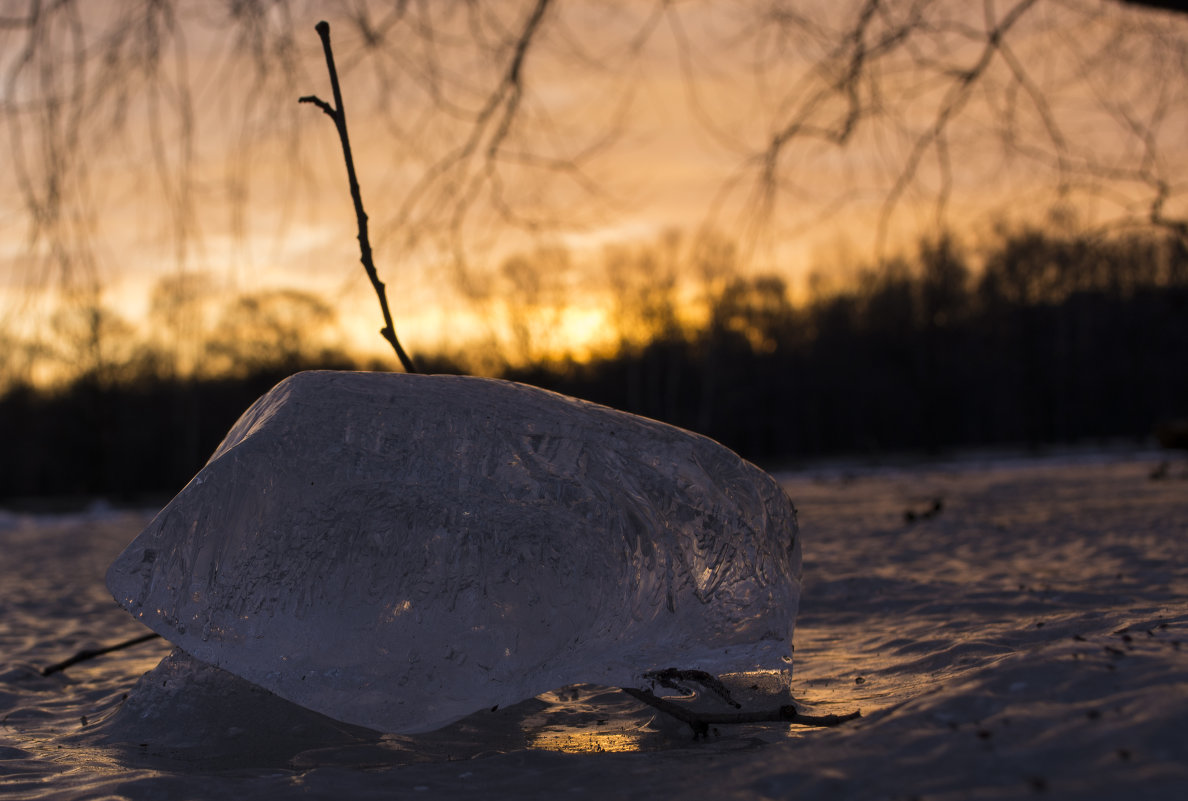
pixel 659 164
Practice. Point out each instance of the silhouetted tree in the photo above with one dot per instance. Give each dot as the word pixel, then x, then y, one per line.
pixel 275 330
pixel 92 342
pixel 179 312
pixel 534 290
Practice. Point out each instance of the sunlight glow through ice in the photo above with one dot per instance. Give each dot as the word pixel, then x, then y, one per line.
pixel 399 551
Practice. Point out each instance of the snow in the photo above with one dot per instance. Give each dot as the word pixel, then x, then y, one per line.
pixel 1029 641
pixel 401 551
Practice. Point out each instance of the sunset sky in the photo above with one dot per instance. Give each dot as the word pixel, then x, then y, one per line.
pixel 627 120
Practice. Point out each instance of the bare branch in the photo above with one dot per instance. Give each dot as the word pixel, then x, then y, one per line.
pixel 700 722
pixel 955 99
pixel 322 104
pixel 338 114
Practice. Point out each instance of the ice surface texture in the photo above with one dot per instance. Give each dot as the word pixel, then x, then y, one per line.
pixel 398 551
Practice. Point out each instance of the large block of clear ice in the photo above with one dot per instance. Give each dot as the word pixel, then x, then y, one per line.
pixel 398 551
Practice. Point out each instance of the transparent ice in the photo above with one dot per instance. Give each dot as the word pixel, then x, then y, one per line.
pixel 398 551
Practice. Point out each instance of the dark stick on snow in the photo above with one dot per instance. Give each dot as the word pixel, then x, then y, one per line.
pixel 83 656
pixel 701 721
pixel 338 114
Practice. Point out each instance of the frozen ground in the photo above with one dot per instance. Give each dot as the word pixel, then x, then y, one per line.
pixel 1026 640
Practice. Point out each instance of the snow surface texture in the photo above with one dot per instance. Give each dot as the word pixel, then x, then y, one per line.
pixel 399 551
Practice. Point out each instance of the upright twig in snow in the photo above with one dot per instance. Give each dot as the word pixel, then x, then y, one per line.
pixel 338 114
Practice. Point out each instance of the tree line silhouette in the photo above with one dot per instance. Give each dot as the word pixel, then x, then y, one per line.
pixel 1054 340
pixel 1038 338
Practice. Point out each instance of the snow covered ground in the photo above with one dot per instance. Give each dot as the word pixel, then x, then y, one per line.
pixel 1025 639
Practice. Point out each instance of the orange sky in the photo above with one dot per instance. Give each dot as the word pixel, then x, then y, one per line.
pixel 665 167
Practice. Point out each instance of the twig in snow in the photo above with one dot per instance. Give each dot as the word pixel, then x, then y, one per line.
pixel 91 653
pixel 701 721
pixel 338 114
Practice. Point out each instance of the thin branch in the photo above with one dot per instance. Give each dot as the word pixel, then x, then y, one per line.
pixel 506 95
pixel 701 721
pixel 954 101
pixel 338 114
pixel 322 104
pixel 86 655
